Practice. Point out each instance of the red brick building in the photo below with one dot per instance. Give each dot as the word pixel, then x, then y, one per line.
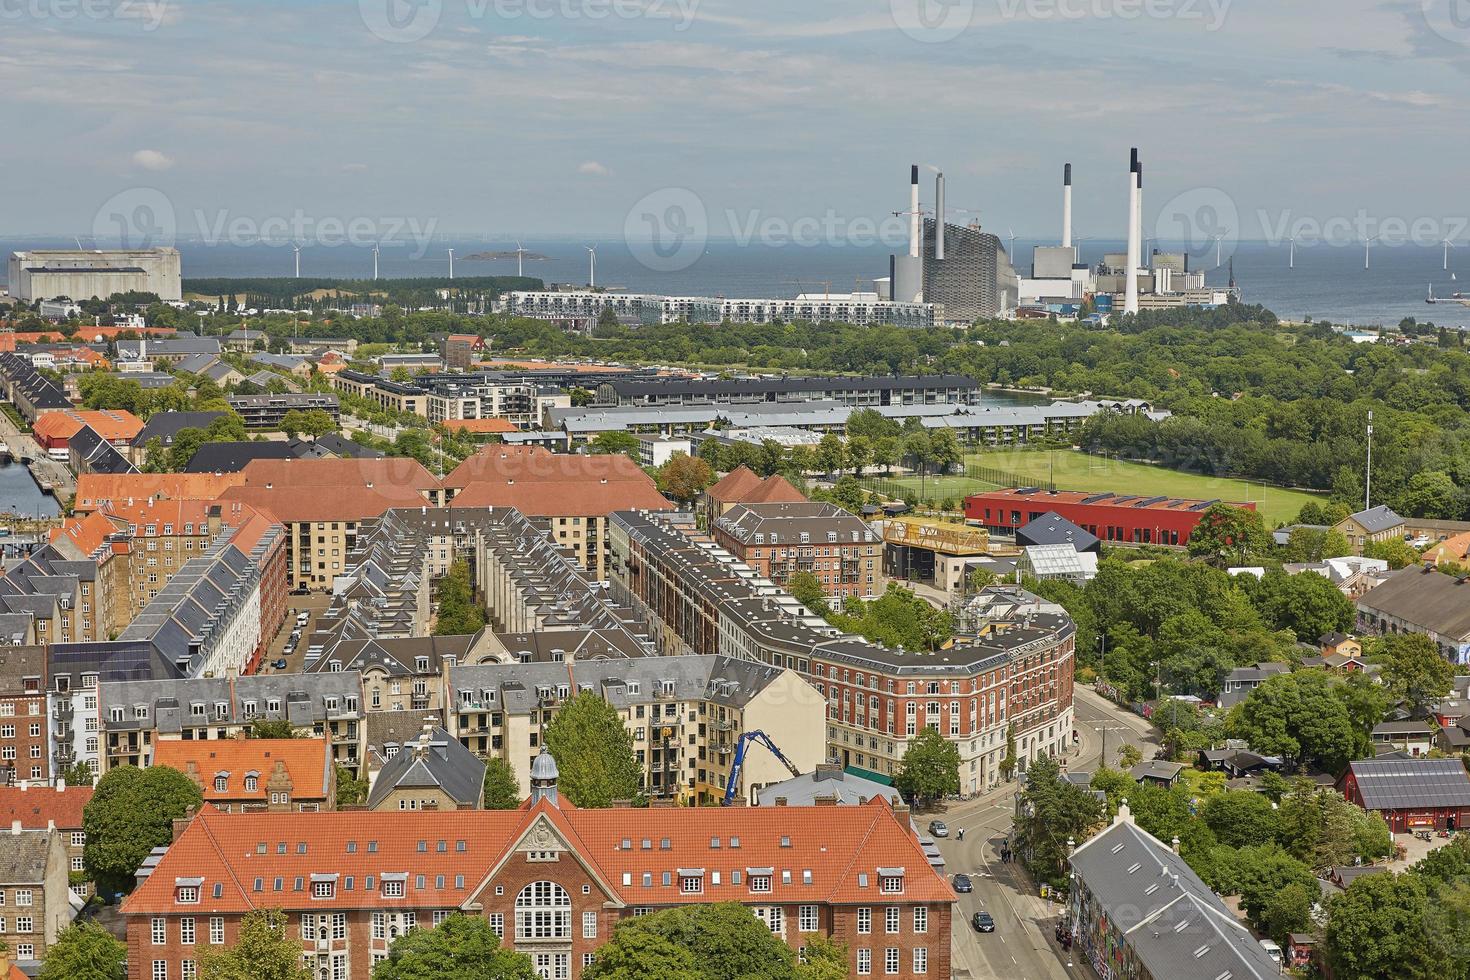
pixel 779 540
pixel 551 879
pixel 1134 518
pixel 1411 794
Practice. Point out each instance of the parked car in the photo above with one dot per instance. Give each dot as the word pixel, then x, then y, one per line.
pixel 982 922
pixel 938 828
pixel 279 665
pixel 303 590
pixel 962 884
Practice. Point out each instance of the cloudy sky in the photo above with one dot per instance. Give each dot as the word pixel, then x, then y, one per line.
pixel 557 116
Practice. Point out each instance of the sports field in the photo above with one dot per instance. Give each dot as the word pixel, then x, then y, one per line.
pixel 1073 470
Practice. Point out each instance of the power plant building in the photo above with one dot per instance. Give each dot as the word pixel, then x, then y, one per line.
pixel 971 277
pixel 95 274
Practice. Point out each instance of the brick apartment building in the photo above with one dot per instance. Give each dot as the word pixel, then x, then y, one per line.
pixel 43 807
pixel 551 879
pixel 279 775
pixel 35 902
pixel 780 540
pixel 24 753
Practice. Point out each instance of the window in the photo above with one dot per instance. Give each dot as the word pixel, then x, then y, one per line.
pixel 864 922
pixel 865 962
pixel 160 930
pixel 186 930
pixel 221 783
pixel 186 969
pixel 890 919
pixel 392 889
pixel 760 883
pixel 160 970
pixel 691 884
pixel 323 889
pixel 216 930
pixel 188 894
pixel 890 884
pixel 23 924
pixel 773 916
pixel 543 911
pixel 251 784
pixel 921 960
pixel 589 925
pixel 890 960
pixel 497 924
pixel 23 896
pixel 25 951
pixel 921 920
pixel 807 919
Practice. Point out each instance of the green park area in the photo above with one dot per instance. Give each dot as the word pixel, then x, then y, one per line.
pixel 1071 469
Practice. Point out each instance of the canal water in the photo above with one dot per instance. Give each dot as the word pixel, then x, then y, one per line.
pixel 20 496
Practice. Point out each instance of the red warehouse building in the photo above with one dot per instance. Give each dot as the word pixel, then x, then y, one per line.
pixel 1411 794
pixel 1131 518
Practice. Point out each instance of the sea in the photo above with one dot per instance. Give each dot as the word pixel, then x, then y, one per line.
pixel 1328 282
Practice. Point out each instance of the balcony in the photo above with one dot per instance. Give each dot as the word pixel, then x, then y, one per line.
pixel 64 711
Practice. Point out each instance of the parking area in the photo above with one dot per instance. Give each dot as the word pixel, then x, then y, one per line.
pixel 313 605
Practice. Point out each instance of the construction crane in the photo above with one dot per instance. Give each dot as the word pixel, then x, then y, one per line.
pixel 741 746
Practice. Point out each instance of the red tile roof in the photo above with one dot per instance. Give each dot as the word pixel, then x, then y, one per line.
pixel 308 761
pixel 540 483
pixel 734 485
pixel 88 534
pixel 293 490
pixel 94 490
pixel 843 847
pixel 37 806
pixel 774 489
pixel 114 426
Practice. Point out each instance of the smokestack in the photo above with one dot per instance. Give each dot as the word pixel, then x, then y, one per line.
pixel 1130 285
pixel 915 222
pixel 1144 261
pixel 939 216
pixel 1067 207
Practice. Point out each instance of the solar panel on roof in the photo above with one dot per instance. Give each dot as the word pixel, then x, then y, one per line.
pixel 1205 504
pixel 1149 502
pixel 1124 500
pixel 1027 491
pixel 1096 497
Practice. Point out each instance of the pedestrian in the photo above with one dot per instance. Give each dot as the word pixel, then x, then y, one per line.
pixel 961 833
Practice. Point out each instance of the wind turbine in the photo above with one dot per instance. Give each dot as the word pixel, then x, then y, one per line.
pixel 451 263
pixel 520 254
pixel 1218 239
pixel 375 261
pixel 1367 250
pixel 1291 263
pixel 1011 235
pixel 1447 246
pixel 297 249
pixel 591 266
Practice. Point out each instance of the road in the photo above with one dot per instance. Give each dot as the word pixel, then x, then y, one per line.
pixel 1023 946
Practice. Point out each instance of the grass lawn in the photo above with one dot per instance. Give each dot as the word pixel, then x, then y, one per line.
pixel 1073 470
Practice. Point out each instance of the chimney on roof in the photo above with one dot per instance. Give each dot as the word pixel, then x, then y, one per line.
pixel 15 828
pixel 182 823
pixel 61 784
pixel 25 784
pixel 780 801
pixel 1174 844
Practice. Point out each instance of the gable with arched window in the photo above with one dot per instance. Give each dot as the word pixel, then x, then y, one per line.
pixel 543 911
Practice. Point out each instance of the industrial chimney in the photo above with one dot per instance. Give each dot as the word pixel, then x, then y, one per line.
pixel 916 225
pixel 939 216
pixel 1067 207
pixel 1135 229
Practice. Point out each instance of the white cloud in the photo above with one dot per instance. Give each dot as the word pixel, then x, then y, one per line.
pixel 593 169
pixel 354 168
pixel 153 160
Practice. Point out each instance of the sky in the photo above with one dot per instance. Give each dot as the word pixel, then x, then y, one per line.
pixel 761 118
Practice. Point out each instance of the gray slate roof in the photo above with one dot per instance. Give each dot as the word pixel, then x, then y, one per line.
pixel 1053 528
pixel 167 425
pixel 1378 519
pixel 1174 923
pixel 1397 784
pixel 433 762
pixel 1425 598
pixel 826 781
pixel 23 857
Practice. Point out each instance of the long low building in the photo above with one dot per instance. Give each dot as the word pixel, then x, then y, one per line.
pixel 861 309
pixel 95 273
pixel 1123 517
pixel 1421 599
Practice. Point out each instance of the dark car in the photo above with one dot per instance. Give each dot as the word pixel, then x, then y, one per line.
pixel 962 884
pixel 301 591
pixel 982 922
pixel 279 665
pixel 937 828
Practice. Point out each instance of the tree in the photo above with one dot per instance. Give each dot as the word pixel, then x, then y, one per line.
pixel 980 578
pixel 79 773
pixel 720 941
pixel 944 449
pixel 885 452
pixel 859 453
pixel 263 951
pixel 1288 911
pixel 316 422
pixel 1241 818
pixel 462 947
pixel 458 614
pixel 502 791
pixel 131 812
pixel 351 791
pixel 930 768
pixel 685 477
pixel 831 455
pixel 1228 535
pixel 1307 604
pixel 1052 812
pixel 85 951
pixel 292 423
pixel 1264 870
pixel 1396 551
pixel 1303 717
pixel 1429 494
pixel 609 443
pixel 1385 925
pixel 593 752
pixel 807 589
pixel 1415 672
pixel 826 959
pixel 271 728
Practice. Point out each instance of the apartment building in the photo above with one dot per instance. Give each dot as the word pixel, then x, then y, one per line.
pixel 430 772
pixel 34 873
pixel 823 540
pixel 403 674
pixel 278 775
pixel 574 493
pixel 138 715
pixel 742 486
pixel 73 673
pixel 52 598
pixel 40 807
pixel 854 392
pixel 25 752
pixel 461 350
pixel 323 502
pixel 1008 671
pixel 553 881
pixel 392 396
pixel 685 715
pixel 268 411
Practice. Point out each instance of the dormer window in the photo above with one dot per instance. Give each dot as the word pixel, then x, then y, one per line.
pixel 322 889
pixel 890 881
pixel 186 890
pixel 393 887
pixel 760 878
pixel 252 783
pixel 421 665
pixel 221 782
pixel 691 882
